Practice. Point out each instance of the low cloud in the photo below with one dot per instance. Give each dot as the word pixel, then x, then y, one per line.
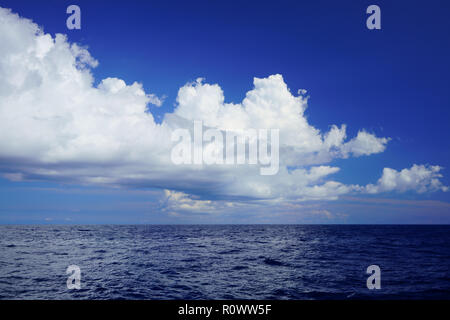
pixel 56 125
pixel 418 178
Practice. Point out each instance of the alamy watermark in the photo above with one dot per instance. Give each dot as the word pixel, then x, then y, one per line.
pixel 373 22
pixel 374 281
pixel 224 147
pixel 74 20
pixel 74 279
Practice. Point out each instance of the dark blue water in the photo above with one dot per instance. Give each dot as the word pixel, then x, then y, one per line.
pixel 225 262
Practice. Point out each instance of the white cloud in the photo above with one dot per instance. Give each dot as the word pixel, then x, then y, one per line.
pixel 55 124
pixel 179 201
pixel 364 144
pixel 270 104
pixel 418 178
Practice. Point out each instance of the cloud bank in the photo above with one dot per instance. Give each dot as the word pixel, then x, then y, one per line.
pixel 56 125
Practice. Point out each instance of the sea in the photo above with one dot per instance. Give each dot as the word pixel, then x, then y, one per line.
pixel 319 262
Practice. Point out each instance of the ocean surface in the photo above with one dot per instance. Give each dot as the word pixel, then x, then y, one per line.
pixel 225 261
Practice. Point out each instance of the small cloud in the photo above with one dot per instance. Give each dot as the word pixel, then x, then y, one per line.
pixel 14 176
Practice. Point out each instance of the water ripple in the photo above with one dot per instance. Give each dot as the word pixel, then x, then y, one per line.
pixel 224 262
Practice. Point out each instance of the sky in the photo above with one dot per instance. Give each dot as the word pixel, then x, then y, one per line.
pixel 86 116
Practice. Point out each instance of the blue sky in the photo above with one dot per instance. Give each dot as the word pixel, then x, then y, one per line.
pixel 391 82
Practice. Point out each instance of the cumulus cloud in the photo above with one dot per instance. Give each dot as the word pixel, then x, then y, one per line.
pixel 271 105
pixel 419 178
pixel 57 125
